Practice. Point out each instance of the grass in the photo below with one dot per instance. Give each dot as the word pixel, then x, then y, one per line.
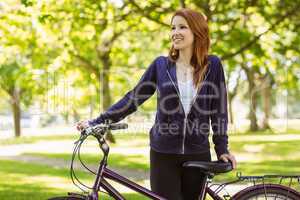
pixel 35 182
pixel 30 181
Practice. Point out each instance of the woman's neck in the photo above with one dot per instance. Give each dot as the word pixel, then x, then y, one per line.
pixel 185 56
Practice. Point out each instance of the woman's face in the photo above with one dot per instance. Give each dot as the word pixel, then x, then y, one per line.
pixel 181 35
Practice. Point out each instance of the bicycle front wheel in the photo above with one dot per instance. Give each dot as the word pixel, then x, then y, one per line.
pixel 267 192
pixel 68 198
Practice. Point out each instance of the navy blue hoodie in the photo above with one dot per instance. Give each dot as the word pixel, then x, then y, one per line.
pixel 175 131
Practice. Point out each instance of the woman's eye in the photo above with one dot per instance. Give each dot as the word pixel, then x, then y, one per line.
pixel 180 27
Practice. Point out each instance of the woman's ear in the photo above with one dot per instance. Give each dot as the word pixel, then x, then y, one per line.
pixel 204 16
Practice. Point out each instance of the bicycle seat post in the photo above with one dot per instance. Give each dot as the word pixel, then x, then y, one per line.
pixel 206 176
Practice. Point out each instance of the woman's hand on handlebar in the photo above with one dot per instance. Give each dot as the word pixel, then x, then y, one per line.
pixel 81 125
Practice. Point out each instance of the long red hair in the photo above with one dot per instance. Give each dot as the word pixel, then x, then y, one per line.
pixel 199 26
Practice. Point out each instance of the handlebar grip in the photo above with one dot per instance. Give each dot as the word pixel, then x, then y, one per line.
pixel 102 128
pixel 118 126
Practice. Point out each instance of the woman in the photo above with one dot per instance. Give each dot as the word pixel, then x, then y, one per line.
pixel 191 93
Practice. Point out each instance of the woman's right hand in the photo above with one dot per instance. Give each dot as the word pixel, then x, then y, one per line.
pixel 82 125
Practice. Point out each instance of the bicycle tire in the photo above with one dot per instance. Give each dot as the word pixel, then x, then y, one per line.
pixel 267 192
pixel 67 198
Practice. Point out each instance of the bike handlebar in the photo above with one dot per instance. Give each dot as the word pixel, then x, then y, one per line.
pixel 100 129
pixel 118 126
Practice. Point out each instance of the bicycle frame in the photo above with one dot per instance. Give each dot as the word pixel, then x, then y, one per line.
pixel 111 175
pixel 104 173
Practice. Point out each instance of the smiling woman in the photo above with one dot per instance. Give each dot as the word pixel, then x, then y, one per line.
pixel 192 97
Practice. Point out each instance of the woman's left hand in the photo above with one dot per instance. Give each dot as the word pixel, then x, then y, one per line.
pixel 228 157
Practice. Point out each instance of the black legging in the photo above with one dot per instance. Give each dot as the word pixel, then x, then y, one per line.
pixel 170 180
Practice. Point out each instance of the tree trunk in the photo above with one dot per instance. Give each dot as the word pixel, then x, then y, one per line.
pixel 253 102
pixel 182 3
pixel 105 91
pixel 66 117
pixel 92 107
pixel 15 97
pixel 252 98
pixel 76 116
pixel 232 94
pixel 266 96
pixel 230 99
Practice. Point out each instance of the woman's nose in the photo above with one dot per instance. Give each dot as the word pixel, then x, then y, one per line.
pixel 176 31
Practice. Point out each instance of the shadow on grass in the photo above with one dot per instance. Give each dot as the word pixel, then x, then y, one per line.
pixel 27 169
pixel 135 162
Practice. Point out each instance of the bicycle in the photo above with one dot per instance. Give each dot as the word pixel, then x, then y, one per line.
pixel 209 169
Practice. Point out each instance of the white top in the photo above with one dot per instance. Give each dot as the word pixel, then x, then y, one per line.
pixel 187 93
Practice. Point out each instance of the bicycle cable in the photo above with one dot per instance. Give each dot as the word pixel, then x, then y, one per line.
pixel 79 184
pixel 82 163
pixel 72 171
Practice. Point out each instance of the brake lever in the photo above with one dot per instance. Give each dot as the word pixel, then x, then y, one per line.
pixel 83 134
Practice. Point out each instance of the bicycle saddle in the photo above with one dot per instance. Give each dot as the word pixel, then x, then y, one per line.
pixel 212 167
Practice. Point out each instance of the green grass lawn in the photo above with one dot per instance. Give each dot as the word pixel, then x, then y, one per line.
pixel 257 154
pixel 23 181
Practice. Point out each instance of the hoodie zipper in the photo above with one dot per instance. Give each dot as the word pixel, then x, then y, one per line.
pixel 186 115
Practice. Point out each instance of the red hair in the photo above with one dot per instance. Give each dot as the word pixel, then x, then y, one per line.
pixel 199 26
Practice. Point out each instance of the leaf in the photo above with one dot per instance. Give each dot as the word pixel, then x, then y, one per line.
pixel 27 3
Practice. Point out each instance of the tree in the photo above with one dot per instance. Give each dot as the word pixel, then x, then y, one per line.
pixel 23 55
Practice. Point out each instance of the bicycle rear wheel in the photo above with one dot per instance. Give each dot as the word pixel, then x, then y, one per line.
pixel 267 192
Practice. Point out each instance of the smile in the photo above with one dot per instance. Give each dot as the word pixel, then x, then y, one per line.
pixel 178 39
